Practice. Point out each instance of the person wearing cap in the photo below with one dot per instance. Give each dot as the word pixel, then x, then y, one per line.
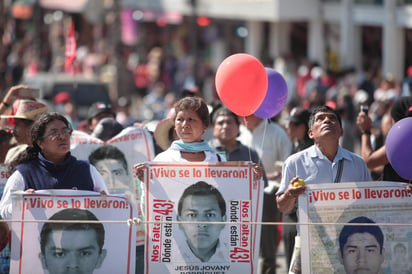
pixel 62 97
pixel 106 129
pixel 22 117
pixel 97 112
pixel 401 108
pixel 9 102
pixel 65 105
pixel 15 93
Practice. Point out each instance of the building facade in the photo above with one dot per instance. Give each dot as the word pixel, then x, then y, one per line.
pixel 335 33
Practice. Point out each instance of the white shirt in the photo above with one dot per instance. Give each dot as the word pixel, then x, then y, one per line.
pixel 270 141
pixel 221 254
pixel 16 183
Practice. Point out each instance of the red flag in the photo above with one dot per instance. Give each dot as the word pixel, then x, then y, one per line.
pixel 70 47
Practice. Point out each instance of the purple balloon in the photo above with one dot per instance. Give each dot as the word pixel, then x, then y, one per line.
pixel 399 147
pixel 276 95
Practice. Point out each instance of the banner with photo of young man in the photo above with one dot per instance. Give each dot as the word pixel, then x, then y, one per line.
pixel 363 227
pixel 198 217
pixel 115 159
pixel 135 142
pixel 69 231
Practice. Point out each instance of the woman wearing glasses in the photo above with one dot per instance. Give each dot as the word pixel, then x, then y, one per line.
pixel 48 164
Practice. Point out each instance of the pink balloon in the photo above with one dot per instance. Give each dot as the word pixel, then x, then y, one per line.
pixel 241 83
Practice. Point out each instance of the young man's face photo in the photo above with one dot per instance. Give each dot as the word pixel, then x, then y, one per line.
pixel 361 254
pixel 72 251
pixel 201 237
pixel 114 174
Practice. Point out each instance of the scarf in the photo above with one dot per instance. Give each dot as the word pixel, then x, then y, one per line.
pixel 191 147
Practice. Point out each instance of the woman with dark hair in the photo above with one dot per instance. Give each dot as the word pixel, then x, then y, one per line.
pixel 48 164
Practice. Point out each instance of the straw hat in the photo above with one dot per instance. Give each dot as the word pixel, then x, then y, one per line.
pixel 26 109
pixel 163 133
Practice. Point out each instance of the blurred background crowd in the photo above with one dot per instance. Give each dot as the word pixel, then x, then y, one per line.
pixel 136 63
pixel 141 77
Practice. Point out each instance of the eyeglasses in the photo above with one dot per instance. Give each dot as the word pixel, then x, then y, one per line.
pixel 55 134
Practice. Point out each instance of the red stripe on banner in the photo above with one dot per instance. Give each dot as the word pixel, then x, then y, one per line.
pixel 130 241
pixel 252 228
pixel 21 237
pixel 148 217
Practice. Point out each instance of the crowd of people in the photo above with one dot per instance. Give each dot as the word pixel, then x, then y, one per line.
pixel 321 135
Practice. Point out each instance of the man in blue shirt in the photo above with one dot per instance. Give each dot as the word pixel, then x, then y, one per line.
pixel 323 162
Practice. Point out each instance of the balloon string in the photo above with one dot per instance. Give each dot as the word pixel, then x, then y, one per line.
pixel 263 139
pixel 246 121
pixel 250 146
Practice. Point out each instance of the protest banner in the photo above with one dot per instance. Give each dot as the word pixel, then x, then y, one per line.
pixel 45 237
pixel 115 159
pixel 5 253
pixel 136 143
pixel 185 205
pixel 380 212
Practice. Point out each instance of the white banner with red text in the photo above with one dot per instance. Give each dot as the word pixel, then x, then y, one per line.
pixel 115 159
pixel 199 217
pixel 69 231
pixel 355 227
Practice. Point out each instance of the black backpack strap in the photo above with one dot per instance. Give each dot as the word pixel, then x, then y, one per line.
pixel 339 173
